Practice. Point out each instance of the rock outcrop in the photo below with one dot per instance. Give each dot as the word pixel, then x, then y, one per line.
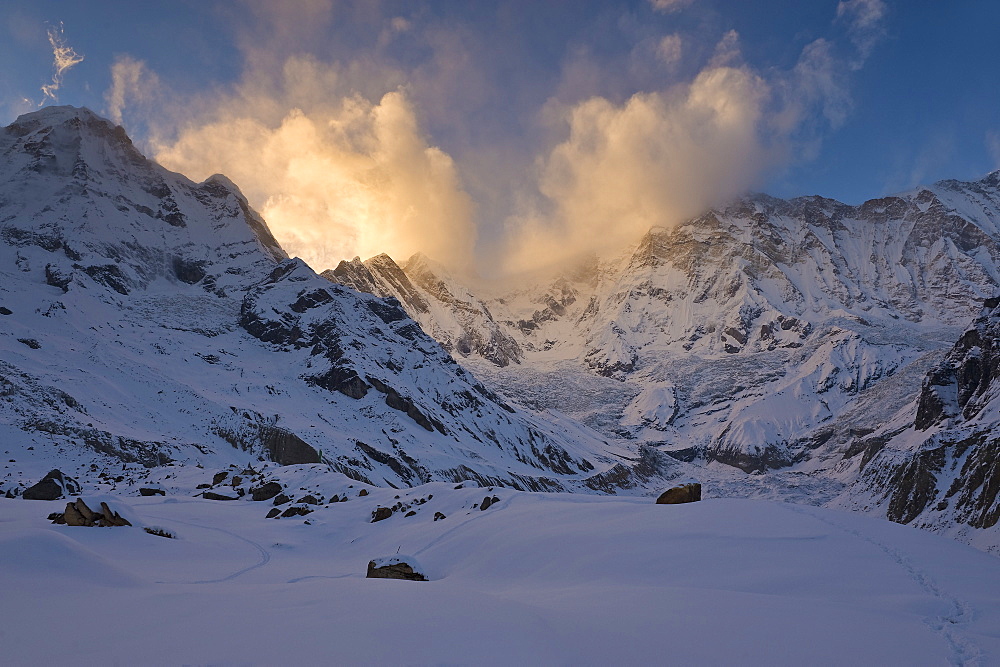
pixel 79 514
pixel 938 464
pixel 53 486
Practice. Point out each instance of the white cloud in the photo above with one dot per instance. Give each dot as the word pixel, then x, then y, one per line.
pixel 63 58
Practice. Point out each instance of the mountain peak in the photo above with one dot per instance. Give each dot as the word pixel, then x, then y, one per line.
pixel 75 117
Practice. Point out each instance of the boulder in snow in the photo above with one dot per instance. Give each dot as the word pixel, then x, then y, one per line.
pixel 686 493
pixel 265 491
pixel 52 487
pixel 395 567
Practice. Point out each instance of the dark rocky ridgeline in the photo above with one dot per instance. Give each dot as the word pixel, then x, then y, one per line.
pixel 952 473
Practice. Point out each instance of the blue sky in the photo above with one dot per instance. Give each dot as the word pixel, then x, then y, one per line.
pixel 516 112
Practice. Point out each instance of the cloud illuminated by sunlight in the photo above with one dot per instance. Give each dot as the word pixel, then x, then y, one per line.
pixel 334 155
pixel 654 160
pixel 63 58
pixel 333 181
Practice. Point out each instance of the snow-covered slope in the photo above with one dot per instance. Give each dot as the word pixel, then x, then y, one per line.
pixel 148 318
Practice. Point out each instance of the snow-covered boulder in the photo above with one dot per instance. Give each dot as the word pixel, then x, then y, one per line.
pixel 396 567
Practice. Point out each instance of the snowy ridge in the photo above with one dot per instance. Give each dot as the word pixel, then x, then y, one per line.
pixel 148 318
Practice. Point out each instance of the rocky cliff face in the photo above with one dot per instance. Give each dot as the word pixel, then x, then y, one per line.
pixel 937 464
pixel 150 319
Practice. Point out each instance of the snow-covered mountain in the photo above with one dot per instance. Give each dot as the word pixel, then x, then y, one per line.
pixel 765 335
pixel 147 318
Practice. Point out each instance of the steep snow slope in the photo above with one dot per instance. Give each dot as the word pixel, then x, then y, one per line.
pixel 150 318
pixel 534 579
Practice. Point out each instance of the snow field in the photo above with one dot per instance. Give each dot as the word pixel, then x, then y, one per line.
pixel 534 579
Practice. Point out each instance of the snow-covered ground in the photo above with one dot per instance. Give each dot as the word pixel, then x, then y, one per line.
pixel 534 579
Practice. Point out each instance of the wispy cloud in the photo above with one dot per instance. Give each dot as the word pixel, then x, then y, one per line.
pixel 132 83
pixel 63 58
pixel 864 20
pixel 993 146
pixel 669 5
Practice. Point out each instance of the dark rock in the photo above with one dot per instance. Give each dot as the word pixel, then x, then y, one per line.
pixel 52 487
pixel 30 342
pixel 281 499
pixel 296 511
pixel 438 516
pixel 109 518
pixel 203 486
pixel 265 492
pixel 73 517
pixel 146 491
pixel 6 311
pixel 309 500
pixel 286 448
pixel 237 480
pixel 410 513
pixel 85 511
pixel 687 493
pixel 381 513
pixel 189 271
pixel 915 485
pixel 219 477
pixel 209 495
pixel 487 502
pixel 273 512
pixel 396 570
pixel 363 492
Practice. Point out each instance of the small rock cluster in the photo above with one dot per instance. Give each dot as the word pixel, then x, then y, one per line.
pixel 382 513
pixel 78 514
